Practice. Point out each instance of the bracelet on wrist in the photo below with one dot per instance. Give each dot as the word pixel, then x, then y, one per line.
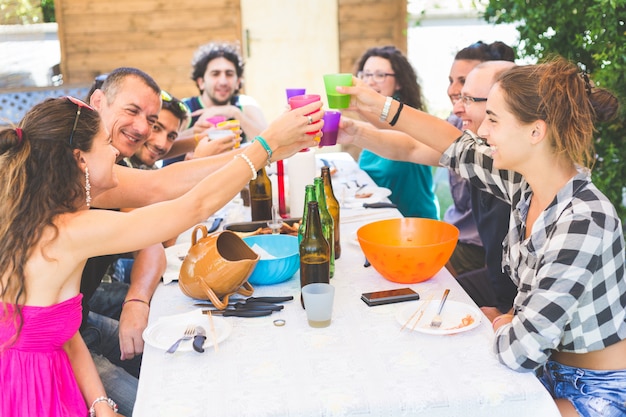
pixel 110 403
pixel 138 300
pixel 267 148
pixel 500 317
pixel 397 115
pixel 385 113
pixel 249 162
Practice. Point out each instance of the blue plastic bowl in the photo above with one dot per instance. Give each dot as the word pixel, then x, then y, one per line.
pixel 287 258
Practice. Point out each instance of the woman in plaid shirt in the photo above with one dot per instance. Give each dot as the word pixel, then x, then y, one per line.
pixel 565 246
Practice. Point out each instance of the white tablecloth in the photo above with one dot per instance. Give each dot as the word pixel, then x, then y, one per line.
pixel 362 365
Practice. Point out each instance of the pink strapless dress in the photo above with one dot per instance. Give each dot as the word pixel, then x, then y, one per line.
pixel 36 377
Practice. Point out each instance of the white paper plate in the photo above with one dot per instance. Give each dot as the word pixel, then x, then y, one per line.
pixel 452 315
pixel 165 332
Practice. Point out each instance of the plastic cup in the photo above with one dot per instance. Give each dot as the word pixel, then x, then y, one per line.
pixel 215 134
pixel 303 100
pixel 234 125
pixel 335 99
pixel 331 128
pixel 295 92
pixel 318 301
pixel 216 119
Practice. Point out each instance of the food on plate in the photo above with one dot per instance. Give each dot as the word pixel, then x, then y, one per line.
pixel 363 195
pixel 465 321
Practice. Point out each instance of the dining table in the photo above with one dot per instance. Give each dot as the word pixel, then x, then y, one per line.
pixel 368 362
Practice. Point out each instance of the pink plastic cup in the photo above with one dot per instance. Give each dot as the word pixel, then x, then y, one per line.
pixel 331 128
pixel 216 119
pixel 303 100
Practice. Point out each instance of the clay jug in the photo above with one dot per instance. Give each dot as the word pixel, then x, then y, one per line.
pixel 216 267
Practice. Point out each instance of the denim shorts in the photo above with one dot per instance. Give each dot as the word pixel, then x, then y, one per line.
pixel 593 393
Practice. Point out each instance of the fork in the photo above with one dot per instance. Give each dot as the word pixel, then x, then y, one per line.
pixel 436 322
pixel 188 335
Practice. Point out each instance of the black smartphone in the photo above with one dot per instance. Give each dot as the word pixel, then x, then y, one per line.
pixel 377 298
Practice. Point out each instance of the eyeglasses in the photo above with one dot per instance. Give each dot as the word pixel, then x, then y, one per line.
pixel 378 77
pixel 80 104
pixel 165 96
pixel 467 100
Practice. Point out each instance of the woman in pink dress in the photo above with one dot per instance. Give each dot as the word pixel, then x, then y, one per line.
pixel 51 166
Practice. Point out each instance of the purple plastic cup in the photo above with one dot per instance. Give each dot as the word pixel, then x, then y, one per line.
pixel 331 128
pixel 295 92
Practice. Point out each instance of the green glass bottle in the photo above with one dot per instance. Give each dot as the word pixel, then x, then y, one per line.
pixel 328 225
pixel 314 250
pixel 333 207
pixel 309 195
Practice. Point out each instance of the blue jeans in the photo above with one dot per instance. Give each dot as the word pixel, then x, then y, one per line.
pixel 120 378
pixel 593 393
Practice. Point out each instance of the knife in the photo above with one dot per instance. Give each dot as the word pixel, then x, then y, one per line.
pixel 258 305
pixel 198 339
pixel 238 313
pixel 379 205
pixel 272 300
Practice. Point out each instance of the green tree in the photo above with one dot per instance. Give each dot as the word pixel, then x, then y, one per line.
pixel 591 33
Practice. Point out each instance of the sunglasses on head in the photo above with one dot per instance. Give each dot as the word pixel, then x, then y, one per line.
pixel 80 104
pixel 165 96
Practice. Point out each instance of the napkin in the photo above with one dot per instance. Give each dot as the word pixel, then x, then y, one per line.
pixel 192 316
pixel 263 254
pixel 367 215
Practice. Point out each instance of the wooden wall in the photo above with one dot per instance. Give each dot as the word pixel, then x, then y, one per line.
pixel 367 23
pixel 160 36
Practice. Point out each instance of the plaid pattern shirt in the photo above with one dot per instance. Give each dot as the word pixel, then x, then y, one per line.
pixel 569 272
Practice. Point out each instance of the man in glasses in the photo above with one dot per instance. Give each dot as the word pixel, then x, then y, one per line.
pixel 217 70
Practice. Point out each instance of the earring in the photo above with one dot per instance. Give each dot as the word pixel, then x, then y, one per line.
pixel 87 188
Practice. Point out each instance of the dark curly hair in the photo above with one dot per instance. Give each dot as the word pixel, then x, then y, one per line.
pixel 410 92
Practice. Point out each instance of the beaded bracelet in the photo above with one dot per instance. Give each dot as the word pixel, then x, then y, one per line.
pixel 397 116
pixel 139 300
pixel 267 148
pixel 110 403
pixel 249 162
pixel 385 113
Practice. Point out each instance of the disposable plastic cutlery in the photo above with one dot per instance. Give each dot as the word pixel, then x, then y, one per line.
pixel 436 322
pixel 188 335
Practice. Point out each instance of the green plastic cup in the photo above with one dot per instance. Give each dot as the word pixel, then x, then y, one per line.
pixel 335 99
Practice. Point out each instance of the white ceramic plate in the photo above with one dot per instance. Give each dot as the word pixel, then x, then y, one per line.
pixel 175 255
pixel 457 317
pixel 164 333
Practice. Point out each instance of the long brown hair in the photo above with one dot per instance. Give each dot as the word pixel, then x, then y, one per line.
pixel 39 180
pixel 559 94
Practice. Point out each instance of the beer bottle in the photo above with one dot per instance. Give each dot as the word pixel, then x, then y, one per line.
pixel 314 250
pixel 328 226
pixel 261 196
pixel 309 195
pixel 333 207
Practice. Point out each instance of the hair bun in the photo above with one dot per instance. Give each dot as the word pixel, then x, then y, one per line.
pixel 605 105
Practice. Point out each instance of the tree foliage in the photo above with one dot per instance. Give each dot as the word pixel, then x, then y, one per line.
pixel 591 33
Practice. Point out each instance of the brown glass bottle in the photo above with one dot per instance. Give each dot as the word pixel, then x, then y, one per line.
pixel 261 197
pixel 328 225
pixel 333 207
pixel 314 250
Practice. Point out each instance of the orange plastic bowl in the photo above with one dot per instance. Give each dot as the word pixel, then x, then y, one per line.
pixel 408 250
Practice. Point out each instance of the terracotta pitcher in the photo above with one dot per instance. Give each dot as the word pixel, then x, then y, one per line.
pixel 216 267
